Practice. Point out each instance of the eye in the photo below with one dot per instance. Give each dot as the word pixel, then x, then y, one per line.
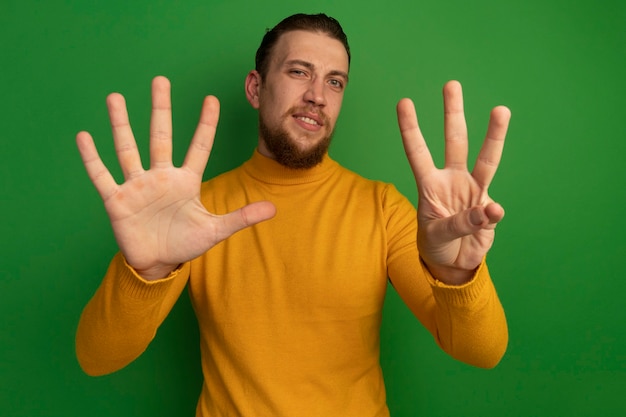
pixel 297 72
pixel 335 83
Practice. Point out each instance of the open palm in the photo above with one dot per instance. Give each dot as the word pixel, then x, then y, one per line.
pixel 157 217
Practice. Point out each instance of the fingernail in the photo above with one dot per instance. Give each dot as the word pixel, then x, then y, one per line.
pixel 476 217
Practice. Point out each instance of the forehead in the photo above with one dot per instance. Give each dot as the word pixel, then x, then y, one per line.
pixel 315 47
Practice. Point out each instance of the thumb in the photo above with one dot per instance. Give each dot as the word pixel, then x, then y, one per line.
pixel 245 217
pixel 461 224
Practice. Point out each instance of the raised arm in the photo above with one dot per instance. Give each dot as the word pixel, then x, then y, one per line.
pixel 159 223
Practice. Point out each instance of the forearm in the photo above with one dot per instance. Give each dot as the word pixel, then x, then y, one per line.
pixel 467 321
pixel 470 321
pixel 121 319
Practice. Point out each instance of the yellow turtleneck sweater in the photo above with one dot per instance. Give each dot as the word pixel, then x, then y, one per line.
pixel 290 309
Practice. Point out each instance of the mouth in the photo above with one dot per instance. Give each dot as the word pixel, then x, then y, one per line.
pixel 309 119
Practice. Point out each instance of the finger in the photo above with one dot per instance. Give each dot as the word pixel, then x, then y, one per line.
pixel 125 146
pixel 161 124
pixel 245 217
pixel 414 144
pixel 462 224
pixel 96 170
pixel 494 212
pixel 491 151
pixel 202 141
pixel 455 127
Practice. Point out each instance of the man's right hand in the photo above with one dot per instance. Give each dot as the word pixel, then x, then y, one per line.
pixel 157 217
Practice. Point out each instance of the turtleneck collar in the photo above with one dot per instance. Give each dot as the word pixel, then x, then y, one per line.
pixel 269 171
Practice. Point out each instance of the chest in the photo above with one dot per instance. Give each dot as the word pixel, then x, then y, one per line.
pixel 315 261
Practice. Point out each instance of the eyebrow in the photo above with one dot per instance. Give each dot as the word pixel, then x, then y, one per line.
pixel 311 67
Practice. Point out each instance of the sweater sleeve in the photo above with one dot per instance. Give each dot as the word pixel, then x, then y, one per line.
pixel 122 318
pixel 467 321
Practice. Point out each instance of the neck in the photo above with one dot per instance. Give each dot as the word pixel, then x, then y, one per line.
pixel 270 171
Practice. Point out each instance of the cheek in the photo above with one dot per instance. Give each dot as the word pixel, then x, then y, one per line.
pixel 333 112
pixel 334 103
pixel 275 104
pixel 271 115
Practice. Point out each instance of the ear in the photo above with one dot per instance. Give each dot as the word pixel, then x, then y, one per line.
pixel 253 84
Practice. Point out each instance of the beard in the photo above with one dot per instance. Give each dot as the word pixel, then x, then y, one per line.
pixel 285 149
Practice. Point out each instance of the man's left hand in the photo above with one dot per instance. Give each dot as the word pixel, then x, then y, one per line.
pixel 456 217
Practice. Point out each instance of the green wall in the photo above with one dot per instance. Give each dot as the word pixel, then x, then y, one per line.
pixel 558 261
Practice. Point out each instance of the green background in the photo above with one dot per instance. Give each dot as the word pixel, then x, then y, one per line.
pixel 558 260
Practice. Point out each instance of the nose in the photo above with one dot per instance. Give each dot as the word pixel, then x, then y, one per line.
pixel 315 93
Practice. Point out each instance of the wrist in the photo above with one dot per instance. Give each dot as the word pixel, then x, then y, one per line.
pixel 449 275
pixel 156 273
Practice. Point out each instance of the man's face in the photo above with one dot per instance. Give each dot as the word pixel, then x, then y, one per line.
pixel 300 98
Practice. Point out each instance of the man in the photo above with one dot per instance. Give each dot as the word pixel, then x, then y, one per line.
pixel 287 257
